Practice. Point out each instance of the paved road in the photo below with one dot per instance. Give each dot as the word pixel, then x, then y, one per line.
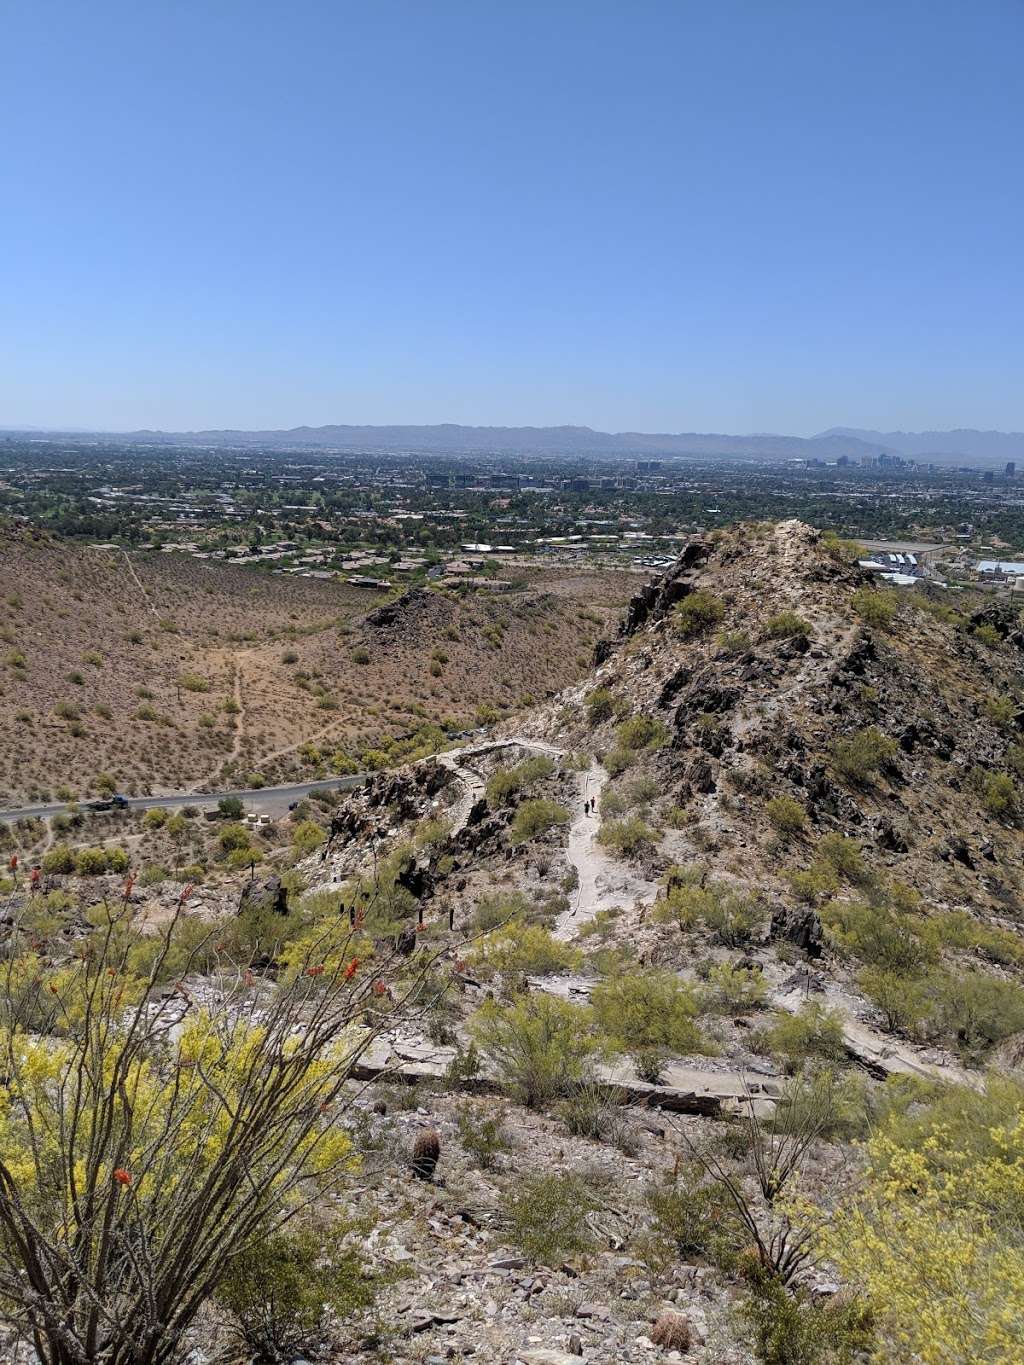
pixel 267 800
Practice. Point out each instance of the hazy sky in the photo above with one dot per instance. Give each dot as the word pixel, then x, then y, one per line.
pixel 709 215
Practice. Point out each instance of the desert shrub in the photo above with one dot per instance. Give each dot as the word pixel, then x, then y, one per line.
pixel 614 802
pixel 733 918
pixel 696 1217
pixel 641 732
pixel 690 897
pixel 814 1032
pixel 859 757
pixel 232 837
pixel 289 657
pixel 193 682
pixel 603 705
pixel 813 883
pixel 505 782
pixel 306 837
pixel 988 635
pixel 281 1291
pixel 500 907
pixel 546 1217
pixel 155 818
pixel 698 613
pixel 517 949
pixel 1000 710
pixel 482 1135
pixel 930 1233
pixel 875 607
pixel 999 794
pixel 539 1047
pixel 843 855
pixel 832 1103
pixel 628 837
pixel 648 1015
pixel 91 862
pixel 59 860
pixel 617 760
pixel 733 990
pixel 905 1001
pixel 958 929
pixel 879 937
pixel 788 816
pixel 794 1328
pixel 125 1244
pixel 733 642
pixel 231 807
pixel 974 1009
pixel 787 625
pixel 537 817
pixel 361 655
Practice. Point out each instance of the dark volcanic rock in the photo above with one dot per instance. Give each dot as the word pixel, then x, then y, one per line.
pixel 268 895
pixel 800 927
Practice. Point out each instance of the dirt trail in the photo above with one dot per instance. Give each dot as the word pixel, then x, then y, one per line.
pixel 139 584
pixel 603 883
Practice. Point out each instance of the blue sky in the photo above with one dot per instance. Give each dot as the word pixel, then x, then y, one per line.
pixel 714 216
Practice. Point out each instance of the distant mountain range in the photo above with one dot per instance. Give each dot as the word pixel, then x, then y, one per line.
pixel 990 447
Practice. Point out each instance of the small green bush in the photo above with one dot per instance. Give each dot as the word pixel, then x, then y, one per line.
pixel 787 625
pixel 516 950
pixel 734 990
pixel 875 607
pixel 282 1288
pixel 696 1217
pixel 697 614
pixel 361 655
pixel 641 732
pixel 788 816
pixel 59 860
pixel 1000 710
pixel 795 1329
pixel 540 1047
pixel 859 757
pixel 603 705
pixel 628 837
pixel 546 1217
pixel 536 817
pixel 648 1011
pixel 482 1136
pixel 814 1032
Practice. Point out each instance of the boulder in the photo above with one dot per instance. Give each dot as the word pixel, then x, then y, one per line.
pixel 268 895
pixel 801 927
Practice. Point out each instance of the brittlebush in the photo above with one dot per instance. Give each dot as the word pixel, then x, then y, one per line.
pixel 934 1238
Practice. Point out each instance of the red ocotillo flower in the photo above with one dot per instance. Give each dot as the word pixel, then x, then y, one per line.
pixel 379 988
pixel 123 1177
pixel 314 971
pixel 351 969
pixel 186 891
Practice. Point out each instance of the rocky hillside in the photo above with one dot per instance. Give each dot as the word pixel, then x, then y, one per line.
pixel 624 974
pixel 769 669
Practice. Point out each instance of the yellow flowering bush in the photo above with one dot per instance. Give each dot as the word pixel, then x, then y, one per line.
pixel 934 1238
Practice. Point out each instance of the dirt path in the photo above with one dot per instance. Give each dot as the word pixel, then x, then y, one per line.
pixel 139 584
